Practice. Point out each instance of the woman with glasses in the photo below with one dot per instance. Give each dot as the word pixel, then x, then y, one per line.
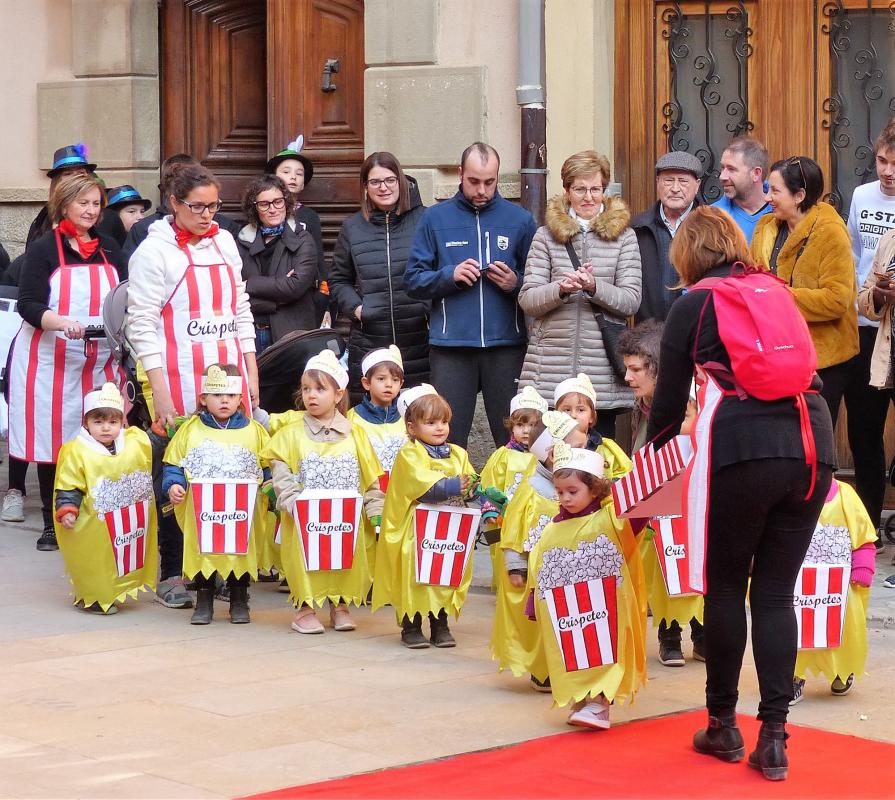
pixel 279 263
pixel 805 242
pixel 583 263
pixel 367 275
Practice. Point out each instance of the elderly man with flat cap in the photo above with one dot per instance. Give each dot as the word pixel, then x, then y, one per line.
pixel 677 182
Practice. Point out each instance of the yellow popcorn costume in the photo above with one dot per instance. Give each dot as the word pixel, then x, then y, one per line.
pixel 664 607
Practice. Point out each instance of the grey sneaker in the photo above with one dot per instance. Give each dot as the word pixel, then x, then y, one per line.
pixel 798 691
pixel 171 593
pixel 13 507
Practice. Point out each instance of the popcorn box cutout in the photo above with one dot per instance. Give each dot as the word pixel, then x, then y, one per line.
pixel 277 533
pixel 820 598
pixel 445 539
pixel 654 487
pixel 127 534
pixel 327 524
pixel 584 616
pixel 671 548
pixel 224 512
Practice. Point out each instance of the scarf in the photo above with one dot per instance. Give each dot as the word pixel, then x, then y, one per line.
pixel 378 415
pixel 86 249
pixel 593 508
pixel 517 446
pixel 437 450
pixel 276 230
pixel 185 237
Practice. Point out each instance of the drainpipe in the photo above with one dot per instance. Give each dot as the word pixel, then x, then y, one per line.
pixel 531 97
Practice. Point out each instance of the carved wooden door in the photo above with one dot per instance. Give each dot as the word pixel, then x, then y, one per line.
pixel 240 78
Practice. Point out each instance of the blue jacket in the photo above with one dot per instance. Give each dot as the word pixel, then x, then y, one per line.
pixel 481 315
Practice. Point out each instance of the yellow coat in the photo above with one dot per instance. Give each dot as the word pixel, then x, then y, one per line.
pixel 665 609
pixel 822 277
pixel 844 510
pixel 515 639
pixel 562 558
pixel 220 455
pixel 414 473
pixel 93 561
pixel 347 465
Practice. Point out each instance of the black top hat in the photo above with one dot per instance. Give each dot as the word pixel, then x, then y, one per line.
pixel 68 157
pixel 126 195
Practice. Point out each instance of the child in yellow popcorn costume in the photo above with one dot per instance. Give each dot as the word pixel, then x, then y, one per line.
pixel 105 507
pixel 378 416
pixel 578 398
pixel 586 601
pixel 507 465
pixel 212 474
pixel 427 470
pixel 515 638
pixel 844 533
pixel 324 452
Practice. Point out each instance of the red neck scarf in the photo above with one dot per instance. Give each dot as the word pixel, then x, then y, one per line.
pixel 185 237
pixel 86 249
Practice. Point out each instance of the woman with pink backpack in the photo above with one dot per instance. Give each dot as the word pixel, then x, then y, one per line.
pixel 762 466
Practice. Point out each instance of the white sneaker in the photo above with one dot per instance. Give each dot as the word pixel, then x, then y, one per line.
pixel 591 715
pixel 13 507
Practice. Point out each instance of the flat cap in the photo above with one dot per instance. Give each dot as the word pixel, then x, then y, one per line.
pixel 678 159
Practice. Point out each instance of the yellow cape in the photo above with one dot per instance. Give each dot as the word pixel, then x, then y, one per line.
pixel 222 444
pixel 87 549
pixel 316 465
pixel 414 473
pixel 617 681
pixel 679 609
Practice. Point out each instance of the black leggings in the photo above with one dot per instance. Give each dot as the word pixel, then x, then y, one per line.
pixel 758 516
pixel 46 478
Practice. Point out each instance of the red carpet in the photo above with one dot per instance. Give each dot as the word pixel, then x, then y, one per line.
pixel 649 758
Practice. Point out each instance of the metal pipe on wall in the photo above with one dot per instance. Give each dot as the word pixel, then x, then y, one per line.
pixel 531 97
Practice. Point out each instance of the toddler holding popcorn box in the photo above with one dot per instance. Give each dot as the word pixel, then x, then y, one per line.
pixel 325 471
pixel 424 553
pixel 212 473
pixel 105 506
pixel 585 595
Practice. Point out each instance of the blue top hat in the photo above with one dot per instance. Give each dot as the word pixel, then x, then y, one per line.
pixel 69 157
pixel 121 196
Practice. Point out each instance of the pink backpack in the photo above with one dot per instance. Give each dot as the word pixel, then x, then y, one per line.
pixel 772 356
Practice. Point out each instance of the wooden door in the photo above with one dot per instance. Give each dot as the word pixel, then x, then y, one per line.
pixel 240 78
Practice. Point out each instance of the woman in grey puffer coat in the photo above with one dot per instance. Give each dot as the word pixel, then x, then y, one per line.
pixel 564 338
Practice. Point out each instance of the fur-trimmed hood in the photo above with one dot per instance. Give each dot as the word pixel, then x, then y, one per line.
pixel 608 225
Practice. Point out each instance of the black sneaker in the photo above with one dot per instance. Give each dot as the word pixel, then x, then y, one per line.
pixel 798 691
pixel 541 686
pixel 47 541
pixel 671 655
pixel 839 688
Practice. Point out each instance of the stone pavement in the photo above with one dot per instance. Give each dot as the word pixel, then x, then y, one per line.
pixel 144 705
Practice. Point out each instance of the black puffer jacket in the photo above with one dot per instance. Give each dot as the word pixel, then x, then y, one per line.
pixel 368 270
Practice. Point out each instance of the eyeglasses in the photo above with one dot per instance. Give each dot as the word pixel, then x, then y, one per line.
pixel 798 161
pixel 203 208
pixel 584 191
pixel 266 205
pixel 375 183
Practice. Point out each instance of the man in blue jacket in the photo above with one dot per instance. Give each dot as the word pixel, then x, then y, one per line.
pixel 467 258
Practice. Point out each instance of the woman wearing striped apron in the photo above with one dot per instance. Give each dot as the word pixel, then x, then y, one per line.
pixel 55 359
pixel 187 309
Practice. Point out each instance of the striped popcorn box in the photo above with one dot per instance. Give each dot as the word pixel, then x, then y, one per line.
pixel 327 524
pixel 445 539
pixel 584 616
pixel 653 487
pixel 820 598
pixel 671 547
pixel 224 511
pixel 127 533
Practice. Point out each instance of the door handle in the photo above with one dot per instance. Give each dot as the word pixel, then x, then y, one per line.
pixel 331 66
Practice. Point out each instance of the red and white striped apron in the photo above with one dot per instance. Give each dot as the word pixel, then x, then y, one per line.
pixel 197 328
pixel 49 375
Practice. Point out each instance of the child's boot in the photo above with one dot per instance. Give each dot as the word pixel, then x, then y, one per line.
pixel 721 739
pixel 412 632
pixel 239 599
pixel 769 754
pixel 204 610
pixel 441 633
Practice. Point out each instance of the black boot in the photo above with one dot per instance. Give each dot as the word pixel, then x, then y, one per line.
pixel 441 633
pixel 239 599
pixel 412 633
pixel 47 540
pixel 721 739
pixel 670 653
pixel 769 754
pixel 204 610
